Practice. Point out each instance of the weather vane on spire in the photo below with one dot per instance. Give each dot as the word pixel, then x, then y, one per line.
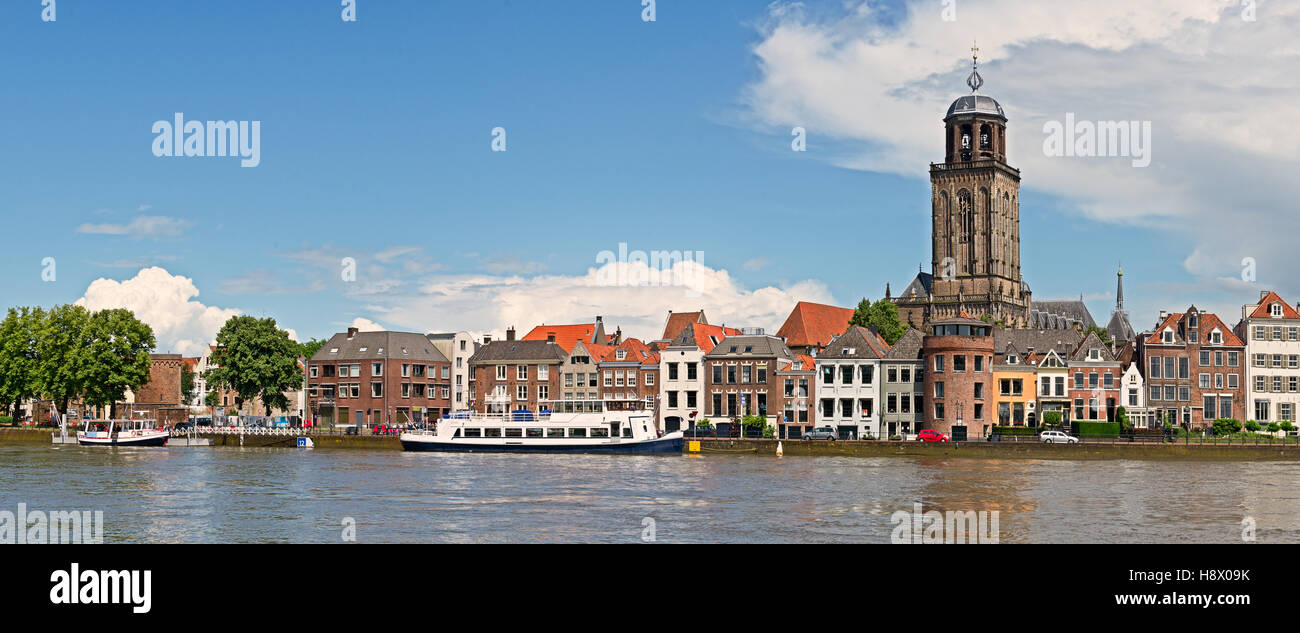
pixel 975 80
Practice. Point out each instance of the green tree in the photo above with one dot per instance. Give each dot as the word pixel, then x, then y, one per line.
pixel 1100 332
pixel 883 315
pixel 1052 418
pixel 1252 425
pixel 18 357
pixel 1226 426
pixel 60 347
pixel 309 349
pixel 115 357
pixel 255 358
pixel 187 384
pixel 1121 416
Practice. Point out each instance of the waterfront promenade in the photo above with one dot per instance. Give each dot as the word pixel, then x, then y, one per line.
pixel 1194 449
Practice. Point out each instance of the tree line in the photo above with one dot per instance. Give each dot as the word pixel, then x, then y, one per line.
pixel 68 352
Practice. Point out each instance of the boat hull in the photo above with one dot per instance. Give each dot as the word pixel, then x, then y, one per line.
pixel 661 446
pixel 152 440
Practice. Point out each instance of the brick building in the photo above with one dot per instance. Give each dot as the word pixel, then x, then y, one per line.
pixel 958 377
pixel 367 378
pixel 903 386
pixel 514 375
pixel 739 379
pixel 1271 329
pixel 811 326
pixel 1195 371
pixel 1096 381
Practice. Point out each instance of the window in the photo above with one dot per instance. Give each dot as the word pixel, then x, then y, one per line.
pixel 1182 368
pixel 1184 394
pixel 891 375
pixel 406 390
pixel 1225 407
pixel 938 389
pixel 543 372
pixel 1204 381
pixel 501 372
pixel 938 363
pixel 521 372
pixel 731 374
pixel 1232 381
pixel 938 410
pixel 959 362
pixel 717 374
pixel 376 369
pixel 691 372
pixel 1155 367
pixel 406 370
pixel 672 371
pixel 313 371
pixel 649 379
pixel 609 378
pixel 762 375
pixel 376 390
pixel 543 393
pixel 672 399
pixel 746 374
pixel 521 392
pixel 979 363
pixel 846 374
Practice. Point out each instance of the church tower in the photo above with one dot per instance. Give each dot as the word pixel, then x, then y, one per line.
pixel 975 202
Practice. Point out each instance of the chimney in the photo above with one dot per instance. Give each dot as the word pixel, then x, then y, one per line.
pixel 352 332
pixel 487 339
pixel 510 333
pixel 1262 294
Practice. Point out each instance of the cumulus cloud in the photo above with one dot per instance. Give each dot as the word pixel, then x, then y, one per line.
pixel 631 295
pixel 1211 82
pixel 366 325
pixel 144 226
pixel 166 302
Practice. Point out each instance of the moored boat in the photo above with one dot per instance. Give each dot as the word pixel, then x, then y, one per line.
pixel 572 426
pixel 121 433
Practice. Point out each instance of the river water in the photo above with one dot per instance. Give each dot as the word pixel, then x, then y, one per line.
pixel 249 495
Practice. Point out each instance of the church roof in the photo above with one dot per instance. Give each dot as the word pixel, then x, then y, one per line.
pixel 1119 328
pixel 921 286
pixel 975 104
pixel 1060 315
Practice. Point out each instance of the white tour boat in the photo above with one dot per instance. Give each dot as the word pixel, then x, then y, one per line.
pixel 570 426
pixel 121 433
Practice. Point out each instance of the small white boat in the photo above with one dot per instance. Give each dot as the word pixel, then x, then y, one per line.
pixel 571 426
pixel 121 433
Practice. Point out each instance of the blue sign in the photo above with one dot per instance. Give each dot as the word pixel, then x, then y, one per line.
pixel 302 442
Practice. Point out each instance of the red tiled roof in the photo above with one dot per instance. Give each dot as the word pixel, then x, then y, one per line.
pixel 814 324
pixel 598 352
pixel 1209 321
pixel 191 363
pixel 703 332
pixel 809 363
pixel 1170 321
pixel 565 335
pixel 1262 312
pixel 678 321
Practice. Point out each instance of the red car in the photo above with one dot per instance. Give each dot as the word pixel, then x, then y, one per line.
pixel 931 435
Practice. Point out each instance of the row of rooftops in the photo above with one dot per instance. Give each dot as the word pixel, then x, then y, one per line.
pixel 811 331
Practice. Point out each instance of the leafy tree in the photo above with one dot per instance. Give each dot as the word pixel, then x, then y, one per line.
pixel 309 349
pixel 1287 426
pixel 1226 426
pixel 255 358
pixel 1100 332
pixel 883 315
pixel 1052 418
pixel 1252 425
pixel 1121 416
pixel 18 356
pixel 60 346
pixel 1273 427
pixel 213 399
pixel 115 357
pixel 187 384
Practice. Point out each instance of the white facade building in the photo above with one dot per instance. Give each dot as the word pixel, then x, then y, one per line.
pixel 458 347
pixel 1271 329
pixel 681 375
pixel 848 383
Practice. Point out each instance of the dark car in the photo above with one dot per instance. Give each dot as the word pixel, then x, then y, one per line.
pixel 931 435
pixel 821 433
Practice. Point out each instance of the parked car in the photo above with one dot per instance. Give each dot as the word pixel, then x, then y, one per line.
pixel 931 435
pixel 821 433
pixel 1056 437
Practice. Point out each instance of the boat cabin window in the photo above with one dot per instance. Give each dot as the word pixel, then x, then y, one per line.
pixel 534 433
pixel 473 432
pixel 577 432
pixel 491 432
pixel 627 431
pixel 555 432
pixel 457 433
pixel 514 432
pixel 599 432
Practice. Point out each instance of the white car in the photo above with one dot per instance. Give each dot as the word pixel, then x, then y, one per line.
pixel 1056 437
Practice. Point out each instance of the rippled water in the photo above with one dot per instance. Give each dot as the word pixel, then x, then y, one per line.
pixel 275 495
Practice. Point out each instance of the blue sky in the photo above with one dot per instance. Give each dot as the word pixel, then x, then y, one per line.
pixel 375 144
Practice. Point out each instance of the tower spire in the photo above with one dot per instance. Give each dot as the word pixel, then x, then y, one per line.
pixel 1119 291
pixel 975 80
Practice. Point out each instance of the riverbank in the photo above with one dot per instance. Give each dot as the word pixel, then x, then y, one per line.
pixel 1006 450
pixel 796 448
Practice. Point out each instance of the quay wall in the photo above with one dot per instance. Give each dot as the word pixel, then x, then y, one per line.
pixel 1005 450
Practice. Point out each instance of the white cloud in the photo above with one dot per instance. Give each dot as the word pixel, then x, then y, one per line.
pixel 493 302
pixel 166 302
pixel 142 226
pixel 1212 84
pixel 366 325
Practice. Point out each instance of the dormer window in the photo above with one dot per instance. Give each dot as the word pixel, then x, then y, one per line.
pixel 621 354
pixel 1216 337
pixel 1193 320
pixel 1094 354
pixel 334 350
pixel 1276 310
pixel 1012 359
pixel 363 349
pixel 1168 336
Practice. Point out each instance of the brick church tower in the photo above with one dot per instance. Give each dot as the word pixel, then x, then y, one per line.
pixel 975 235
